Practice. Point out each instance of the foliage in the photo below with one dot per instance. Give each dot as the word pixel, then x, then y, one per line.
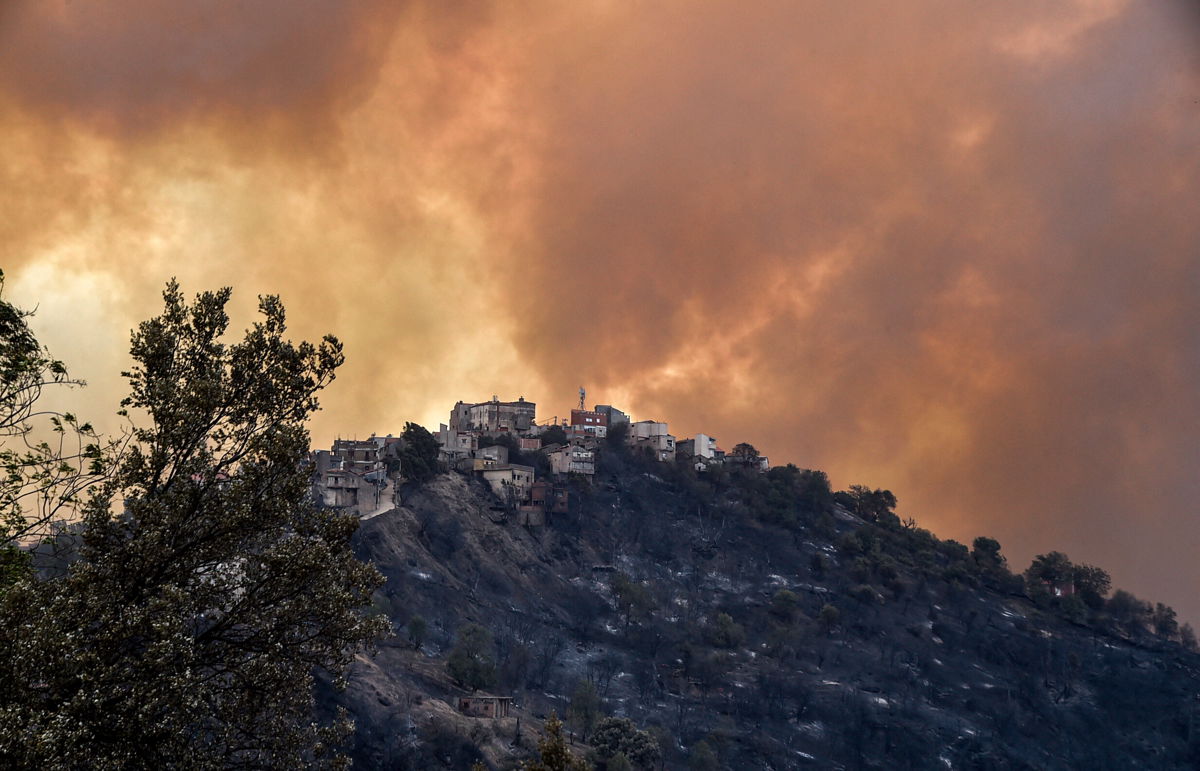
pixel 585 708
pixel 745 450
pixel 1164 621
pixel 633 599
pixel 554 435
pixel 48 459
pixel 785 605
pixel 724 632
pixel 1054 569
pixel 618 762
pixel 871 505
pixel 619 736
pixel 209 589
pixel 702 757
pixel 419 453
pixel 1128 612
pixel 553 752
pixel 471 663
pixel 416 631
pixel 986 553
pixel 829 617
pixel 1092 584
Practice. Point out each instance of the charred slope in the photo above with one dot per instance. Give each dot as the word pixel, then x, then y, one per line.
pixel 754 614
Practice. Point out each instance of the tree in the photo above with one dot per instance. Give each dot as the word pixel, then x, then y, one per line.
pixel 471 663
pixel 48 459
pixel 416 631
pixel 618 736
pixel 724 632
pixel 633 599
pixel 618 762
pixel 553 752
pixel 1128 611
pixel 986 553
pixel 1163 619
pixel 784 606
pixel 209 589
pixel 829 617
pixel 702 757
pixel 1091 583
pixel 1187 637
pixel 585 708
pixel 419 453
pixel 872 505
pixel 554 435
pixel 745 450
pixel 1049 571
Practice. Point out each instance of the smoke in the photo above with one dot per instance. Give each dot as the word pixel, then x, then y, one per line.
pixel 938 248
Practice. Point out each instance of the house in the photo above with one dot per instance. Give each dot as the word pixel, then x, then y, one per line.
pixel 497 453
pixel 483 705
pixel 544 499
pixel 337 485
pixel 455 445
pixel 644 429
pixel 614 416
pixel 548 497
pixel 589 422
pixel 699 446
pixel 573 459
pixel 495 417
pixel 652 435
pixel 527 443
pixel 510 482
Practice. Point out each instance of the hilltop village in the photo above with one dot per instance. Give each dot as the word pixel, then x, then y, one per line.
pixel 490 439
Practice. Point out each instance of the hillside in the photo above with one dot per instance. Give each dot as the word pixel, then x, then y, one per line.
pixel 755 616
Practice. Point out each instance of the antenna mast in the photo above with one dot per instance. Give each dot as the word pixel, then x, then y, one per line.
pixel 582 394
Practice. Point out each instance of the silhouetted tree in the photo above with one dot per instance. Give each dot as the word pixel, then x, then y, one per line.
pixel 419 453
pixel 209 589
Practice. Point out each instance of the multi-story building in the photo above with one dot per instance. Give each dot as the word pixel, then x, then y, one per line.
pixel 614 415
pixel 653 435
pixel 589 422
pixel 573 459
pixel 510 482
pixel 700 446
pixel 494 416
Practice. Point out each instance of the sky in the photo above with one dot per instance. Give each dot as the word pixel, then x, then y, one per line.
pixel 950 249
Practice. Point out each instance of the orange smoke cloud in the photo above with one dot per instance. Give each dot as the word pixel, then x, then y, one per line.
pixel 943 249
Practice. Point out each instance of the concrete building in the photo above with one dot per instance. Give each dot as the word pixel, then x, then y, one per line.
pixel 589 422
pixel 653 435
pixel 510 482
pixel 354 487
pixel 644 429
pixel 614 415
pixel 573 459
pixel 494 416
pixel 455 445
pixel 699 446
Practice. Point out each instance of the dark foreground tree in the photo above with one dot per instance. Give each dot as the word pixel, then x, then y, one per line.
pixel 48 459
pixel 419 454
pixel 209 590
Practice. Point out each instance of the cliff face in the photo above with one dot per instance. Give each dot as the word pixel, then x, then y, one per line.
pixel 755 615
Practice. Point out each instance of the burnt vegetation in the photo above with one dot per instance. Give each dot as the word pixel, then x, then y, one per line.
pixel 737 619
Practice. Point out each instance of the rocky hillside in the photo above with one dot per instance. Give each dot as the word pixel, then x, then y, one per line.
pixel 745 621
